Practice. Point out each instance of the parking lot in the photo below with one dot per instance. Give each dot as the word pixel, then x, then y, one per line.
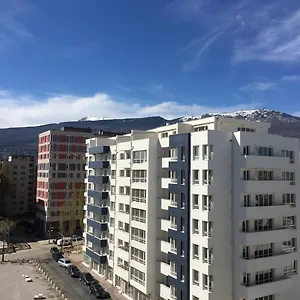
pixel 13 285
pixel 73 288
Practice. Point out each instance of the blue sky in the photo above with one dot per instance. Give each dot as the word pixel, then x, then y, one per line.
pixel 65 59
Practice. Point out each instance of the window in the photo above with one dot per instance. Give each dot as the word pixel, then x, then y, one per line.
pixel 207 152
pixel 207 177
pixel 195 251
pixel 208 282
pixel 246 175
pixel 182 154
pixel 173 245
pixel 138 195
pixel 138 235
pixel 245 253
pixel 173 269
pixel 200 128
pixel 245 226
pixel 138 255
pixel 195 152
pixel 263 224
pixel 207 255
pixel 288 176
pixel 264 200
pixel 139 175
pixel 264 175
pixel 173 153
pixel 207 228
pixel 137 276
pixel 247 200
pixel 246 279
pixel 264 276
pixel 113 190
pixel 173 222
pixel 264 151
pixel 289 246
pixel 289 154
pixel 138 215
pixel 264 250
pixel 173 176
pixel 269 297
pixel 164 135
pixel 289 222
pixel 173 292
pixel 139 156
pixel 182 177
pixel 182 221
pixel 195 226
pixel 195 176
pixel 124 208
pixel 122 173
pixel 246 150
pixel 122 155
pixel 291 269
pixel 195 277
pixel 113 158
pixel 173 199
pixel 182 204
pixel 207 204
pixel 195 201
pixel 289 199
pixel 246 129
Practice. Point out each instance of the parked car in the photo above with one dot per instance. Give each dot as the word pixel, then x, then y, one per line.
pixel 98 291
pixel 64 242
pixel 54 250
pixel 64 262
pixel 73 271
pixel 87 278
pixel 56 256
pixel 76 238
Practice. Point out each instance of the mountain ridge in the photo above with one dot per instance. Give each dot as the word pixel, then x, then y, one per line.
pixel 23 140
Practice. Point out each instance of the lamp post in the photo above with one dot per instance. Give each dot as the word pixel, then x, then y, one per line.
pixel 49 232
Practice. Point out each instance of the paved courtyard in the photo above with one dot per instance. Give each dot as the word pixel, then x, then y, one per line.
pixel 13 285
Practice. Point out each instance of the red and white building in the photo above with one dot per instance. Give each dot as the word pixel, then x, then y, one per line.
pixel 60 173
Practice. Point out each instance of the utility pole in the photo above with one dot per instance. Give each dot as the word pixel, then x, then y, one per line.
pixel 49 232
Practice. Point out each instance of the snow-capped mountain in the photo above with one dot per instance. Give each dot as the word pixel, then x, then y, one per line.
pixel 261 114
pixel 91 118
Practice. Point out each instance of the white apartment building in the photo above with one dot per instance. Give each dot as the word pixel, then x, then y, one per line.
pixel 204 209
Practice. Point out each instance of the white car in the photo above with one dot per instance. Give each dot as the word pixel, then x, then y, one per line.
pixel 64 242
pixel 64 262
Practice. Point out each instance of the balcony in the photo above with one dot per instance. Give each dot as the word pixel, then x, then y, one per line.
pixel 100 258
pixel 98 179
pixel 99 149
pixel 98 164
pixel 165 162
pixel 100 210
pixel 164 225
pixel 266 162
pixel 165 204
pixel 164 291
pixel 266 186
pixel 98 195
pixel 98 241
pixel 97 225
pixel 252 238
pixel 277 260
pixel 261 212
pixel 277 286
pixel 164 268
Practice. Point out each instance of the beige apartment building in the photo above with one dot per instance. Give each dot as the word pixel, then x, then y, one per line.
pixel 21 185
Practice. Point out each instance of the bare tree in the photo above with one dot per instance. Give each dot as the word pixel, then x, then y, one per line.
pixel 5 229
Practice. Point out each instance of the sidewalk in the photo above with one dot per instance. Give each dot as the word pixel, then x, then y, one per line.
pixel 114 292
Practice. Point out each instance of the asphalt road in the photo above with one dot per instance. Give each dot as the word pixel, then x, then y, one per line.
pixel 73 288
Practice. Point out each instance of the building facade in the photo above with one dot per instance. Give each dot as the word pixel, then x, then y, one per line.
pixel 19 198
pixel 205 209
pixel 60 177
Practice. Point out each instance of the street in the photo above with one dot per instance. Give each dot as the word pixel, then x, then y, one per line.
pixel 72 287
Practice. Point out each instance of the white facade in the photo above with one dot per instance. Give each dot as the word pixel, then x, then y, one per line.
pixel 242 236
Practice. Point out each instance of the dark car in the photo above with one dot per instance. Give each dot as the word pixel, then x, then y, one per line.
pixel 98 291
pixel 73 271
pixel 56 256
pixel 54 250
pixel 87 278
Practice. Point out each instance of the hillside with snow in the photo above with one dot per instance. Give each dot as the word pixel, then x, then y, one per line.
pixel 261 114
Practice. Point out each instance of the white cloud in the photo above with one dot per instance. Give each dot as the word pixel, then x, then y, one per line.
pixel 291 78
pixel 18 110
pixel 258 86
pixel 278 41
pixel 253 29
